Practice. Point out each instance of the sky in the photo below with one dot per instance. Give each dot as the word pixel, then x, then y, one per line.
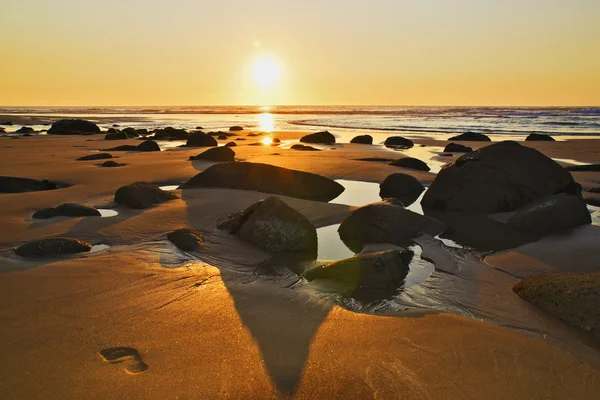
pixel 303 52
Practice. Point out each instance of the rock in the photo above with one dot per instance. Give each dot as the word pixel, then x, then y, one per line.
pixel 73 127
pixel 52 246
pixel 498 178
pixel 216 154
pixel 411 163
pixel 241 138
pixel 116 136
pixel 471 137
pixel 376 159
pixel 141 195
pixel 141 131
pixel 537 137
pixel 222 137
pixel 236 128
pixel 319 138
pixel 130 132
pixel 276 140
pixel 267 179
pixel 186 239
pixel 112 130
pixel 25 129
pixel 362 139
pixel 303 147
pixel 552 214
pixel 231 144
pixel 148 145
pixel 95 156
pixel 385 222
pixel 584 168
pixel 274 226
pixel 457 148
pixel 8 123
pixel 365 273
pixel 66 210
pixel 9 184
pixel 199 127
pixel 170 133
pixel 398 142
pixel 201 140
pixel 109 164
pixel 572 297
pixel 592 201
pixel 251 134
pixel 403 187
pixel 594 190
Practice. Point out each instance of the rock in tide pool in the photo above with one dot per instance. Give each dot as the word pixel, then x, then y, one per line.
pixel 362 139
pixel 96 156
pixel 267 179
pixel 538 137
pixel 472 137
pixel 273 226
pixel 73 127
pixel 403 187
pixel 366 273
pixel 398 142
pixel 140 195
pixel 302 147
pixel 411 163
pixel 498 178
pixel 216 154
pixel 572 297
pixel 201 140
pixel 319 138
pixel 186 239
pixel 385 222
pixel 67 210
pixel 9 184
pixel 52 246
pixel 457 148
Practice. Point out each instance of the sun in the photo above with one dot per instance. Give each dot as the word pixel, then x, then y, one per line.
pixel 266 71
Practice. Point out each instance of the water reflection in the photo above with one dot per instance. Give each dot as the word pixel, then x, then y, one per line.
pixel 266 122
pixel 331 246
pixel 107 212
pixel 357 193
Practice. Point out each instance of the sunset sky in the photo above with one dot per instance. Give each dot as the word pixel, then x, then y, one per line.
pixel 226 52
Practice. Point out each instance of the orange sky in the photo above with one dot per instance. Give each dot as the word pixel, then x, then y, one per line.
pixel 431 52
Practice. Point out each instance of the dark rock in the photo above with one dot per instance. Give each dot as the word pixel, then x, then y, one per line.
pixel 216 154
pixel 471 137
pixel 584 168
pixel 446 155
pixel 276 140
pixel 141 131
pixel 73 127
pixel 385 222
pixel 241 138
pixel 130 132
pixel 112 130
pixel 186 239
pixel 222 137
pixel 252 134
pixel 66 210
pixel 96 156
pixel 363 139
pixel 109 164
pixel 148 145
pixel 236 128
pixel 403 187
pixel 319 138
pixel 537 137
pixel 303 147
pixel 9 184
pixel 52 246
pixel 230 144
pixel 398 142
pixel 199 127
pixel 411 163
pixel 267 179
pixel 25 129
pixel 376 159
pixel 497 178
pixel 457 148
pixel 141 195
pixel 170 133
pixel 116 136
pixel 201 140
pixel 8 123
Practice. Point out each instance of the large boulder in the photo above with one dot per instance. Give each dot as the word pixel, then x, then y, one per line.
pixel 9 184
pixel 385 222
pixel 66 210
pixel 216 154
pixel 539 137
pixel 403 187
pixel 274 226
pixel 267 179
pixel 116 136
pixel 130 132
pixel 497 178
pixel 457 148
pixel 362 139
pixel 398 142
pixel 411 163
pixel 366 273
pixel 140 195
pixel 319 138
pixel 552 214
pixel 95 156
pixel 73 127
pixel 186 239
pixel 471 137
pixel 201 140
pixel 52 246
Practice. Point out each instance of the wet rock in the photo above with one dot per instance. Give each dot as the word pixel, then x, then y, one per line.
pixel 319 138
pixel 471 137
pixel 116 136
pixel 216 154
pixel 231 144
pixel 236 128
pixel 267 179
pixel 25 129
pixel 403 187
pixel 398 142
pixel 498 178
pixel 592 201
pixel 537 137
pixel 8 123
pixel 110 164
pixel 52 246
pixel 457 148
pixel 140 195
pixel 141 131
pixel 222 137
pixel 364 274
pixel 411 163
pixel 67 210
pixel 276 140
pixel 552 214
pixel 146 145
pixel 362 139
pixel 73 127
pixel 112 130
pixel 170 133
pixel 9 184
pixel 385 222
pixel 376 159
pixel 130 132
pixel 186 239
pixel 274 226
pixel 302 147
pixel 96 156
pixel 201 140
pixel 584 168
pixel 572 297
pixel 241 138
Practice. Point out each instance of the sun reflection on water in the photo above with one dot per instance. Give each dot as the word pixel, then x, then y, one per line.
pixel 267 141
pixel 266 122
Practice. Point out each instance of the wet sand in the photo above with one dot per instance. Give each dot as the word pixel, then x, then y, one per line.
pixel 207 326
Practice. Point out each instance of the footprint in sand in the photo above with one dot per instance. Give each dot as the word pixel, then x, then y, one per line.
pixel 116 355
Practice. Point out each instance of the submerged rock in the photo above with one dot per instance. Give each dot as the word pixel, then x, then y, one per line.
pixel 67 210
pixel 216 154
pixel 411 163
pixel 538 137
pixel 201 140
pixel 398 142
pixel 457 148
pixel 52 246
pixel 319 138
pixel 96 156
pixel 73 127
pixel 140 195
pixel 186 239
pixel 403 187
pixel 267 179
pixel 302 147
pixel 362 139
pixel 9 184
pixel 472 137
